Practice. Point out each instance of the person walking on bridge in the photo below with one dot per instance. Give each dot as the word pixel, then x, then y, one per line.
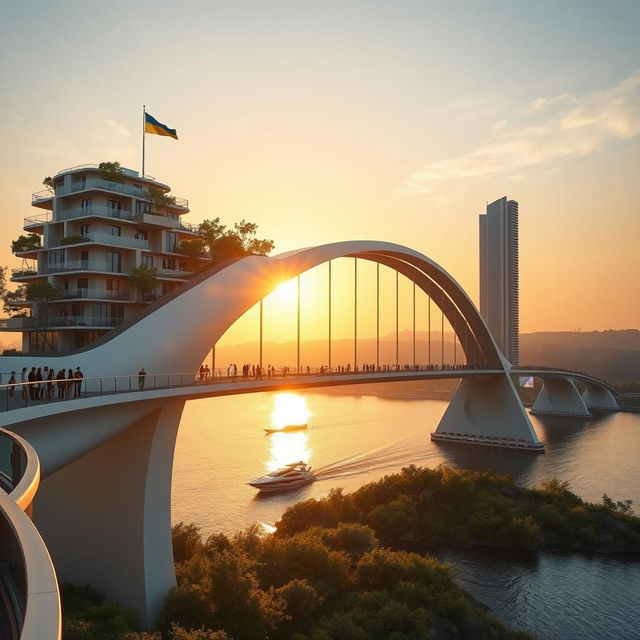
pixel 142 374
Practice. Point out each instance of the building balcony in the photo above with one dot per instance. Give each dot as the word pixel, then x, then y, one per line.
pixel 104 238
pixel 96 294
pixel 17 324
pixel 65 322
pixel 81 265
pixel 41 198
pixel 174 273
pixel 96 210
pixel 18 274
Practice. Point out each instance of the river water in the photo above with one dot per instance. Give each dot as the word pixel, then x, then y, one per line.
pixel 354 439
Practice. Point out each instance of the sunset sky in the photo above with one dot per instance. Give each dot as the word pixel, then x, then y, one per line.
pixel 326 121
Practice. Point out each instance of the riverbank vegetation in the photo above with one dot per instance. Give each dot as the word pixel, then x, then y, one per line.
pixel 333 568
pixel 470 508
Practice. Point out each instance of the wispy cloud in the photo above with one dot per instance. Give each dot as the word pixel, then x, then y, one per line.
pixel 120 129
pixel 571 126
pixel 19 117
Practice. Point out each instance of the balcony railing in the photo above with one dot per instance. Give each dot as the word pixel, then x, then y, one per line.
pixel 107 185
pixel 174 273
pixel 82 265
pixel 16 324
pixel 107 238
pixel 83 321
pixel 99 294
pixel 21 273
pixel 96 210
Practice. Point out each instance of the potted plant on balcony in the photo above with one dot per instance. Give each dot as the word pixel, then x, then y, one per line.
pixel 25 243
pixel 111 171
pixel 159 198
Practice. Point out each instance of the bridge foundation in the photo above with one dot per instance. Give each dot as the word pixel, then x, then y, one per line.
pixel 486 410
pixel 106 517
pixel 598 397
pixel 560 397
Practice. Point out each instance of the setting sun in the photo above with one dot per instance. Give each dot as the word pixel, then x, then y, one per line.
pixel 286 292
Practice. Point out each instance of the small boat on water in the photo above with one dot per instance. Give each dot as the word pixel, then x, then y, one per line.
pixel 291 476
pixel 288 427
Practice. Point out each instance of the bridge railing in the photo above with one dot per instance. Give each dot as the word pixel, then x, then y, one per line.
pixel 23 394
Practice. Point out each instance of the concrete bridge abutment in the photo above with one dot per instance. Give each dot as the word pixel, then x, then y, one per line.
pixel 487 410
pixel 598 397
pixel 560 397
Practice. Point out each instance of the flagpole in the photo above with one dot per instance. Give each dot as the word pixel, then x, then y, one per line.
pixel 143 128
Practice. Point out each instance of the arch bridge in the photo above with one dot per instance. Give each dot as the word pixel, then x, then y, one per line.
pixel 106 458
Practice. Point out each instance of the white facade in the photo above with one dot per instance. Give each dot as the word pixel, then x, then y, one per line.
pixel 499 280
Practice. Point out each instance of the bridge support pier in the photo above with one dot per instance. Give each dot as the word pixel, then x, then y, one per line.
pixel 486 410
pixel 598 397
pixel 106 517
pixel 559 397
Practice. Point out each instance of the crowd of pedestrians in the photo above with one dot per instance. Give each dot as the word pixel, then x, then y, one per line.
pixel 44 383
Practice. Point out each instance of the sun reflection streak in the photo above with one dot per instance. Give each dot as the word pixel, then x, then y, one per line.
pixel 288 447
pixel 289 408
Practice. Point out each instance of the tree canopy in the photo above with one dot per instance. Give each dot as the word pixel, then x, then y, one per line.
pixel 239 241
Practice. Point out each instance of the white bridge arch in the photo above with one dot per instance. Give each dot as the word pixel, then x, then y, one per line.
pixel 107 462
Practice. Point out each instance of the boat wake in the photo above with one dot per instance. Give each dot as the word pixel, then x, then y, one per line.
pixel 400 453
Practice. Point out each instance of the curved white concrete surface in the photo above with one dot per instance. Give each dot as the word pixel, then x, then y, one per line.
pixel 42 614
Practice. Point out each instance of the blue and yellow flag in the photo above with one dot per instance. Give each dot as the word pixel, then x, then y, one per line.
pixel 151 125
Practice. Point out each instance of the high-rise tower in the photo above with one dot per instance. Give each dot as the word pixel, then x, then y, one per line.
pixel 499 288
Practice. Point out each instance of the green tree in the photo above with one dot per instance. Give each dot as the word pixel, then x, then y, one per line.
pixel 48 182
pixel 43 293
pixel 143 279
pixel 19 294
pixel 240 241
pixel 25 243
pixel 159 198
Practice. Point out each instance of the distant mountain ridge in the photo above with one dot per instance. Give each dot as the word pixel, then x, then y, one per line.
pixel 611 355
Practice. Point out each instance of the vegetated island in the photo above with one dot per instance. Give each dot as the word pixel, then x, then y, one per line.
pixel 332 569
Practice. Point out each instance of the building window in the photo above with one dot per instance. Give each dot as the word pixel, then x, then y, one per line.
pixel 43 341
pixel 114 208
pixel 56 257
pixel 141 234
pixel 114 230
pixel 86 206
pixel 114 262
pixel 171 241
pixel 113 285
pixel 143 207
pixel 148 260
pixel 100 314
pixel 169 264
pixel 84 230
pixel 83 283
pixel 117 314
pixel 83 182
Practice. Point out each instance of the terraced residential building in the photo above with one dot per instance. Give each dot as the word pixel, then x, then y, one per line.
pixel 98 225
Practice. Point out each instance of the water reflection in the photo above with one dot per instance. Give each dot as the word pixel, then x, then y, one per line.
pixel 288 447
pixel 289 408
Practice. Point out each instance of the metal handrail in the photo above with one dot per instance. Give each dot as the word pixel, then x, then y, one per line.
pixel 18 395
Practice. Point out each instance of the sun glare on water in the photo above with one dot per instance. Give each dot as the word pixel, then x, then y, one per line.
pixel 289 408
pixel 287 447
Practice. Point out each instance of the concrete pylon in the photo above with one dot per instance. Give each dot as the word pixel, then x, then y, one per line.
pixel 106 517
pixel 559 397
pixel 487 410
pixel 596 396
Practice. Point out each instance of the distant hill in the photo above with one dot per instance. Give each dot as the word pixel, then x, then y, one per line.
pixel 613 356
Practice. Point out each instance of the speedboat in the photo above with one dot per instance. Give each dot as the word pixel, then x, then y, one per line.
pixel 291 476
pixel 288 427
